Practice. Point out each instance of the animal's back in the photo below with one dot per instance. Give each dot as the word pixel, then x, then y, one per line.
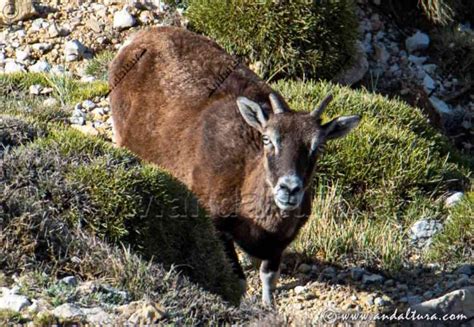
pixel 169 87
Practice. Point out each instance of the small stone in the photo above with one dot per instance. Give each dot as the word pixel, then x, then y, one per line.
pixel 94 25
pixel 14 302
pixel 430 68
pixel 37 25
pixel 149 314
pixel 12 67
pixel 370 300
pixel 69 280
pixel 381 53
pixel 50 102
pixel 389 283
pixel 380 302
pixel 357 273
pixel 97 316
pixel 35 89
pixel 440 106
pixel 423 230
pixel 47 90
pixel 88 105
pixel 41 46
pixel 78 117
pixel 304 268
pixel 300 289
pixel 417 60
pixel 329 272
pixel 37 306
pixel 98 112
pixel 74 50
pixel 369 279
pixel 466 269
pixel 418 41
pixel 41 66
pixel 453 199
pixel 146 17
pixel 68 311
pixel 87 79
pixel 53 30
pixel 123 19
pixel 428 84
pixel 22 55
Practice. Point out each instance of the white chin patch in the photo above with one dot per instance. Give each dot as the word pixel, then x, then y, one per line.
pixel 285 206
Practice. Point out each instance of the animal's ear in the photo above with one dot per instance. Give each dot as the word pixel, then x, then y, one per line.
pixel 252 113
pixel 340 126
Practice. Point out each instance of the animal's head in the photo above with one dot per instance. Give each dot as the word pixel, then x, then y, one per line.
pixel 291 143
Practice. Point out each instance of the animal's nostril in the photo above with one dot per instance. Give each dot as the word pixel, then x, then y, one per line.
pixel 284 187
pixel 290 190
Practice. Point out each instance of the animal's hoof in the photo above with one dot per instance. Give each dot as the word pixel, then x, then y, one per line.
pixel 267 300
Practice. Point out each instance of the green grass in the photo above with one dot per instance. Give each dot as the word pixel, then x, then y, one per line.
pixel 372 185
pixel 68 91
pixel 98 66
pixel 11 318
pixel 289 39
pixel 456 242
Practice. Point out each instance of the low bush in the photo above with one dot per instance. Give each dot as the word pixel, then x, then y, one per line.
pixel 65 184
pixel 312 39
pixel 99 65
pixel 372 185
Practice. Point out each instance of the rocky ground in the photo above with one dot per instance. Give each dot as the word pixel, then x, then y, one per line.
pixel 401 62
pixel 63 40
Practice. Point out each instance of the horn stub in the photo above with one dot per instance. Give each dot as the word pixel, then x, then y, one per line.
pixel 276 104
pixel 318 111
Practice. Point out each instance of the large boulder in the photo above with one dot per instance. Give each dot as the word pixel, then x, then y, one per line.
pixel 13 11
pixel 459 302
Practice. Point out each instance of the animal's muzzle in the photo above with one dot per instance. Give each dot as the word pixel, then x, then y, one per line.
pixel 288 192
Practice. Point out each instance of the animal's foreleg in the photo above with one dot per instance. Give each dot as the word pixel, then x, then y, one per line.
pixel 269 274
pixel 229 249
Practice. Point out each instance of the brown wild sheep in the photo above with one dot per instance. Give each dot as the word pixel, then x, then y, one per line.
pixel 180 101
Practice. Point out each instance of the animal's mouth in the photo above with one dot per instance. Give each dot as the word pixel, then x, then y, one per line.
pixel 287 203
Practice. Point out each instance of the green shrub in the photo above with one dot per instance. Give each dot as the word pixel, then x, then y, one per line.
pixel 99 65
pixel 313 39
pixel 67 181
pixel 373 184
pixel 455 243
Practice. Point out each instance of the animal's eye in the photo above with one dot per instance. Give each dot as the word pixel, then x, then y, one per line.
pixel 266 140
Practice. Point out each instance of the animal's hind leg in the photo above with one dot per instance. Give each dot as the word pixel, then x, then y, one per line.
pixel 229 248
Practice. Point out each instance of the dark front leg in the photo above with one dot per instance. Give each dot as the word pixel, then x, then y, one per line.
pixel 229 249
pixel 269 274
